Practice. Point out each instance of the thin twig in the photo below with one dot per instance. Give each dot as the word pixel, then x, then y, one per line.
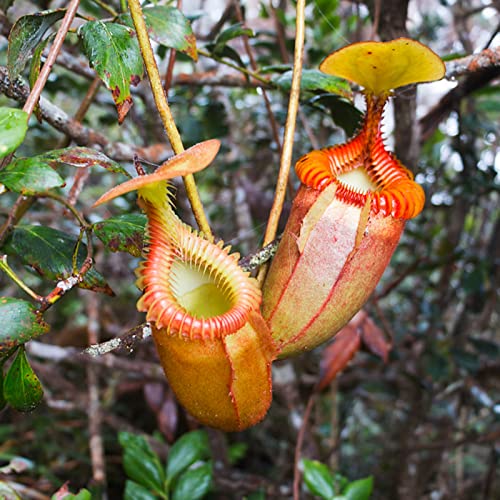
pixel 96 446
pixel 286 156
pixel 246 72
pixel 253 64
pixel 34 96
pixel 253 261
pixel 165 113
pixel 128 341
pixel 298 447
pixel 58 354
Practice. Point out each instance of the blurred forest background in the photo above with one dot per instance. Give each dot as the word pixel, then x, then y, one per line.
pixel 425 423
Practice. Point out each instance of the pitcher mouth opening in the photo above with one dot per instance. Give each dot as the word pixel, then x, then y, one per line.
pixel 364 172
pixel 193 288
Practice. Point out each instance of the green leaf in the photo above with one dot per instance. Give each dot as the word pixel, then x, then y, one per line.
pixel 83 494
pixel 189 448
pixel 36 174
pixel 318 478
pixel 80 157
pixel 35 66
pixel 7 493
pixel 313 80
pixel 50 253
pixel 21 387
pixel 28 176
pixel 134 491
pixel 230 33
pixel 24 37
pixel 466 360
pixel 343 112
pixel 113 51
pixel 194 483
pixel 124 233
pixel 361 489
pixel 140 462
pixel 226 51
pixel 169 27
pixel 13 128
pixel 487 347
pixel 20 323
pixel 2 397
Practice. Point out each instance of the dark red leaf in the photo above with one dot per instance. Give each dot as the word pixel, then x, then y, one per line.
pixel 374 339
pixel 168 417
pixel 337 355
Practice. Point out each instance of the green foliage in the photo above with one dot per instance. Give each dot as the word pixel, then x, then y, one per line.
pixel 25 36
pixel 313 80
pixel 27 176
pixel 123 233
pixel 169 27
pixel 322 483
pixel 188 472
pixel 81 495
pixel 21 388
pixel 54 255
pixel 20 323
pixel 13 128
pixel 113 51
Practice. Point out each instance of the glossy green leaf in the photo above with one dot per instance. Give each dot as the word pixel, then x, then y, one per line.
pixel 28 176
pixel 80 157
pixel 21 387
pixel 189 448
pixel 313 80
pixel 35 67
pixel 361 489
pixel 318 478
pixel 2 398
pixel 134 491
pixel 342 111
pixel 234 31
pixel 36 174
pixel 225 51
pixel 169 27
pixel 20 323
pixel 50 253
pixel 486 347
pixel 83 494
pixel 124 233
pixel 113 51
pixel 24 37
pixel 13 128
pixel 194 484
pixel 466 360
pixel 7 493
pixel 140 462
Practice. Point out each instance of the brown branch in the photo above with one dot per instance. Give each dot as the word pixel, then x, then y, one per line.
pixel 450 101
pixel 83 136
pixel 298 446
pixel 128 341
pixel 96 446
pixel 57 354
pixel 35 93
pixel 484 59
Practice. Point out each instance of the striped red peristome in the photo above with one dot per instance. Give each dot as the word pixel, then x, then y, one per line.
pixel 397 194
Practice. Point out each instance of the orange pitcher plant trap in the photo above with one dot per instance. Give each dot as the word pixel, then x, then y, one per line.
pixel 215 331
